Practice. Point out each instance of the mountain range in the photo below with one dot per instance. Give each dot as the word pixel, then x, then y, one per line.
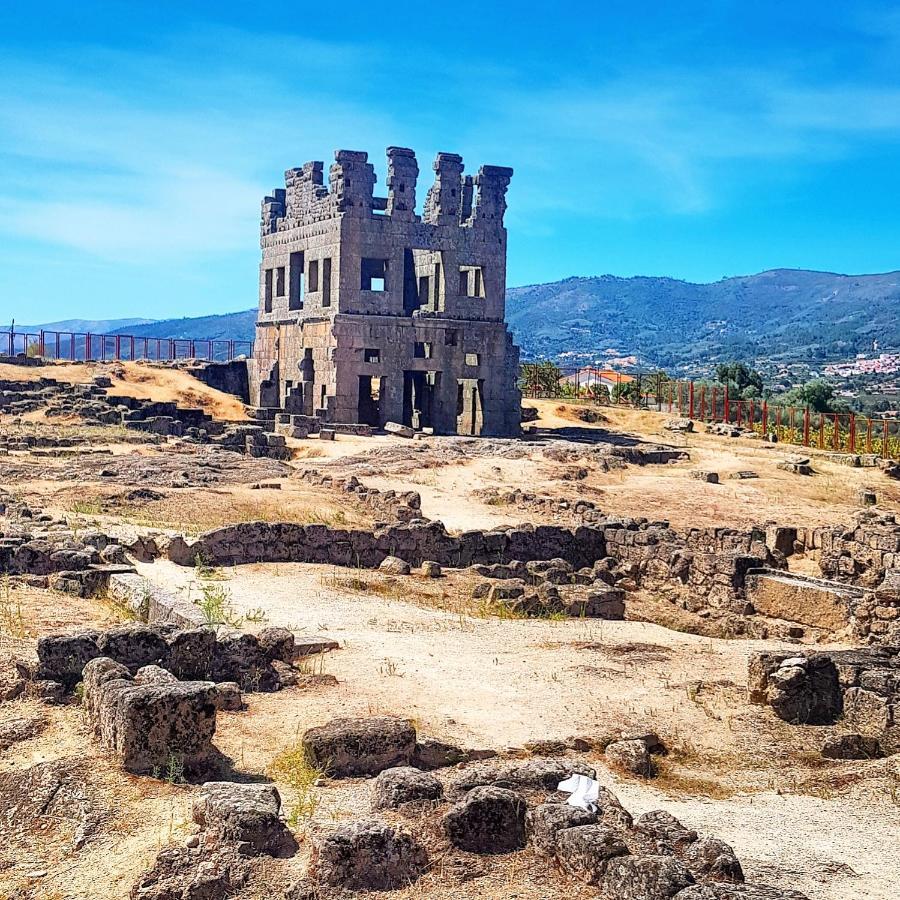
pixel 778 316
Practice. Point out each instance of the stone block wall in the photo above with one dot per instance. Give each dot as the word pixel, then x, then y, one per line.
pixel 370 313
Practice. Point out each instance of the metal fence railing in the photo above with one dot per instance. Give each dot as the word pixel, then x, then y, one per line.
pixel 87 347
pixel 846 432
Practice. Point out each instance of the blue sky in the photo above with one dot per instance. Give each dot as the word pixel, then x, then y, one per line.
pixel 692 139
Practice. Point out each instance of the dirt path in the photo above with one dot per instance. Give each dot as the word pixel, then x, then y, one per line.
pixel 499 683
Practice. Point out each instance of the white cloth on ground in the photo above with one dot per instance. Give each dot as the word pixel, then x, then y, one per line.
pixel 583 791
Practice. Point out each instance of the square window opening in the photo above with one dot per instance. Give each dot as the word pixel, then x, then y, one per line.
pixel 472 359
pixel 471 281
pixel 422 350
pixel 373 275
pixel 372 355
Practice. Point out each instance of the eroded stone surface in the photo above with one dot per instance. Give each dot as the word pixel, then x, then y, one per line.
pixel 404 784
pixel 368 856
pixel 351 747
pixel 488 820
pixel 248 813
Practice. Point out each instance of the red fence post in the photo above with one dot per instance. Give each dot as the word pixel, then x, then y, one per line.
pixel 691 400
pixel 726 411
pixel 836 437
pixel 868 435
pixel 806 427
pixel 702 401
pixel 765 416
pixel 852 426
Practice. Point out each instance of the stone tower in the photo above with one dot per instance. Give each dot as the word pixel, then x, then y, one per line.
pixel 370 313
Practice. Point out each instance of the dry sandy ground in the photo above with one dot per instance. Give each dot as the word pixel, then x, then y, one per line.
pixel 734 771
pixel 141 381
pixel 418 648
pixel 665 492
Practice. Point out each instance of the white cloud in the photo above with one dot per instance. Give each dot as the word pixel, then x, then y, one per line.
pixel 166 155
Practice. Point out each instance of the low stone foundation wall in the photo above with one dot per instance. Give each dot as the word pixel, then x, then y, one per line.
pixel 655 555
pixel 287 542
pixel 393 506
pixel 859 553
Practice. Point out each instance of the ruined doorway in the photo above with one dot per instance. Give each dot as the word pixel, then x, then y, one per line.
pixel 368 408
pixel 418 398
pixel 469 406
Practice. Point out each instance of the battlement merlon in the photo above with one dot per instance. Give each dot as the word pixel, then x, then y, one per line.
pixel 453 199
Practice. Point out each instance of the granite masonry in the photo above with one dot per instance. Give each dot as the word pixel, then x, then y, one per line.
pixel 372 314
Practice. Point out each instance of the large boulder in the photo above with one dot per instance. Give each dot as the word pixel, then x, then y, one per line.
pixel 152 728
pixel 393 565
pixel 632 756
pixel 240 658
pixel 801 690
pixel 351 747
pixel 663 831
pixel 244 813
pixel 586 850
pixel 545 821
pixel 368 856
pixel 645 878
pixel 277 644
pixel 608 603
pixel 404 784
pixel 62 657
pixel 488 820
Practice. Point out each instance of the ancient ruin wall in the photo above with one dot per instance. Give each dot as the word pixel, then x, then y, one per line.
pixel 370 313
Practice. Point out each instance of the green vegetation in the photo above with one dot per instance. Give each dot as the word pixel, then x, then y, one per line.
pixel 817 394
pixel 743 383
pixel 293 768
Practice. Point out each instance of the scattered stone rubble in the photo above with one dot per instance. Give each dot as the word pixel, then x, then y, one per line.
pixel 393 506
pixel 498 807
pixel 547 587
pixel 36 544
pixel 93 405
pixel 580 510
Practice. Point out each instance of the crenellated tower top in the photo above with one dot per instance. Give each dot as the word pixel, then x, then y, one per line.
pixel 454 199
